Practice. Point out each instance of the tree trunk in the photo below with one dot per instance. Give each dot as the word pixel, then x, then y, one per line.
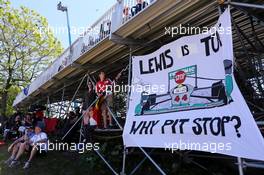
pixel 4 98
pixel 4 102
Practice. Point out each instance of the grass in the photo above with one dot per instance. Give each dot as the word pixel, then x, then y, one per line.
pixel 72 163
pixel 54 163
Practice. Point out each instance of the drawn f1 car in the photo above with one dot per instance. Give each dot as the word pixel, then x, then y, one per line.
pixel 184 96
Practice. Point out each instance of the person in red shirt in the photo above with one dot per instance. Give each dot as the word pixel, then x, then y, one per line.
pixel 104 91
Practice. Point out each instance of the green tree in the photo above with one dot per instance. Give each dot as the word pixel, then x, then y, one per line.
pixel 27 46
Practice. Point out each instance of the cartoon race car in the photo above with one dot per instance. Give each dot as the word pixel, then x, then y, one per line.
pixel 184 94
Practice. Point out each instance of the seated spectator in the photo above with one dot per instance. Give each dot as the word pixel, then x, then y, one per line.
pixel 17 124
pixel 12 127
pixel 38 115
pixel 70 121
pixel 7 128
pixel 72 118
pixel 27 122
pixel 51 125
pixel 89 124
pixel 14 147
pixel 21 130
pixel 138 7
pixel 36 144
pixel 77 112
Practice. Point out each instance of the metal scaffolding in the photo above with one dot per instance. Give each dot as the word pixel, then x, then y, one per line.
pixel 249 72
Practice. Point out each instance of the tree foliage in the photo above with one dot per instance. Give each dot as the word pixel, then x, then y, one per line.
pixel 27 46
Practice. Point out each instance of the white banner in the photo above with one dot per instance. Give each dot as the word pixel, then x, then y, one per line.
pixel 184 96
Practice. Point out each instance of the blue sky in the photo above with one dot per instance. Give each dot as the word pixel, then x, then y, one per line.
pixel 82 13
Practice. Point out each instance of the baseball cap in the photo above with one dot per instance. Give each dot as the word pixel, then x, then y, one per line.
pixel 41 125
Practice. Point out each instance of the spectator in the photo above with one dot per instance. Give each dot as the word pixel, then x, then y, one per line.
pixel 17 124
pixel 36 144
pixel 126 14
pixel 38 115
pixel 105 99
pixel 89 96
pixel 12 127
pixel 14 147
pixel 27 122
pixel 70 121
pixel 7 128
pixel 72 118
pixel 138 7
pixel 77 112
pixel 104 90
pixel 89 124
pixel 51 125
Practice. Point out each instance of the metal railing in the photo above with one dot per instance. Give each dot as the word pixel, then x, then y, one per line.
pixel 98 31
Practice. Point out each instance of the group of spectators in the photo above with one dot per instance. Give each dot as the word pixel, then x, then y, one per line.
pixel 130 12
pixel 28 134
pixel 98 105
pixel 16 125
pixel 29 131
pixel 97 110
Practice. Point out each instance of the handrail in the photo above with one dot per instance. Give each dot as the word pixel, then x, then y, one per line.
pixel 99 30
pixel 97 21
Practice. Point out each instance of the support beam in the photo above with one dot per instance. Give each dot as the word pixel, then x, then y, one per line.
pixel 114 117
pixel 55 78
pixel 62 101
pixel 108 165
pixel 140 163
pixel 246 5
pixel 240 166
pixel 78 119
pixel 123 172
pixel 86 66
pixel 239 34
pixel 75 93
pixel 260 20
pixel 259 165
pixel 153 162
pixel 127 41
